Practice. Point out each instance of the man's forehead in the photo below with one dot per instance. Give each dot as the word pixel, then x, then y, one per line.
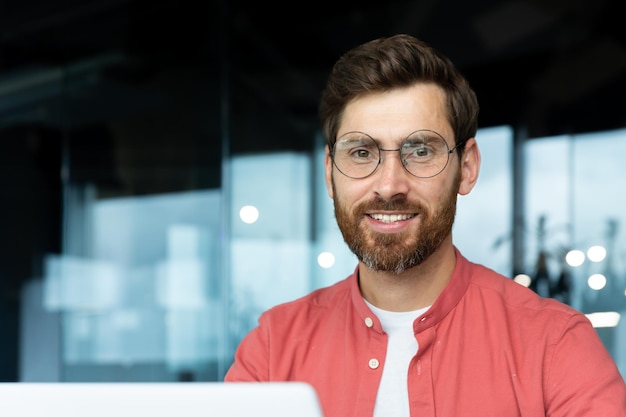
pixel 396 113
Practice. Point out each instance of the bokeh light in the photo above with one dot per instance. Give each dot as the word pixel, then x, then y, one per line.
pixel 523 279
pixel 596 253
pixel 326 259
pixel 249 214
pixel 575 257
pixel 596 281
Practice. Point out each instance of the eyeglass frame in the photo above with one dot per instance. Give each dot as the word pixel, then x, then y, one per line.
pixel 381 150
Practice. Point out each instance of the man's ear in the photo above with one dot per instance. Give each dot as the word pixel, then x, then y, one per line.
pixel 470 166
pixel 328 169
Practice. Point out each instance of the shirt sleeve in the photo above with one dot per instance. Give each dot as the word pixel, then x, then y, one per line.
pixel 582 379
pixel 251 359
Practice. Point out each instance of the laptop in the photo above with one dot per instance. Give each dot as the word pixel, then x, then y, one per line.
pixel 159 399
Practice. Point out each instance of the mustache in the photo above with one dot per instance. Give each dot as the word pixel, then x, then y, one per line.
pixel 399 203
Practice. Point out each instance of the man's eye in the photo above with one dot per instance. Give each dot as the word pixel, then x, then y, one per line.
pixel 362 153
pixel 418 152
pixel 422 151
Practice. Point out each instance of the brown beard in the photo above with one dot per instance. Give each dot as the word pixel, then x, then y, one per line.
pixel 396 252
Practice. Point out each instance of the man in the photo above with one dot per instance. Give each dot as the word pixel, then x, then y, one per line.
pixel 417 329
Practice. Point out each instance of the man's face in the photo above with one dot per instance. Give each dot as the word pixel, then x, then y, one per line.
pixel 392 220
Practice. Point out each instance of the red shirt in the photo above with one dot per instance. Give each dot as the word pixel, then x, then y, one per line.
pixel 488 347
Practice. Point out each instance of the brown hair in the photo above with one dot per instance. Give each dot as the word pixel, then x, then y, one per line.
pixel 396 62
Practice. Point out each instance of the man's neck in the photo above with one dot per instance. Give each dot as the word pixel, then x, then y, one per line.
pixel 413 289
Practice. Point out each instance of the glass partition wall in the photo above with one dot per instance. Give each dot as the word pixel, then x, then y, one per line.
pixel 575 217
pixel 140 290
pixel 135 290
pixel 120 150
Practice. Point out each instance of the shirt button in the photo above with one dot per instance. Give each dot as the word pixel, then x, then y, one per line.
pixel 423 319
pixel 374 363
pixel 369 322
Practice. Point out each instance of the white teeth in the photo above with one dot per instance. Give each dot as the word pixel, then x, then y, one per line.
pixel 390 218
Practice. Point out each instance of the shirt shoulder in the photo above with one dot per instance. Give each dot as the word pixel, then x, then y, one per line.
pixel 511 292
pixel 316 302
pixel 518 304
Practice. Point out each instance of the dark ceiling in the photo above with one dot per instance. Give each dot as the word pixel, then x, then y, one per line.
pixel 550 66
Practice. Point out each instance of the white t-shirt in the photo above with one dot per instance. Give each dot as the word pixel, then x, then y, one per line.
pixel 393 397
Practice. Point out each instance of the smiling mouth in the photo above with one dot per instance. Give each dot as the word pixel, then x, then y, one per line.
pixel 390 218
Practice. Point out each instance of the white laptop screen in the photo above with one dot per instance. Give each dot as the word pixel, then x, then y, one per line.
pixel 188 399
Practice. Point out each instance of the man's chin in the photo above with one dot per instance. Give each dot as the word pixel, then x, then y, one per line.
pixel 395 264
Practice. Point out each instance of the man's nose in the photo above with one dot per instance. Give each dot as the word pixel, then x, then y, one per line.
pixel 392 177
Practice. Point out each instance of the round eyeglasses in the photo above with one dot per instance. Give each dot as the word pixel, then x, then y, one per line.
pixel 424 154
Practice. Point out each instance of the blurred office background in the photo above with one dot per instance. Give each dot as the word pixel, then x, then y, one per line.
pixel 161 168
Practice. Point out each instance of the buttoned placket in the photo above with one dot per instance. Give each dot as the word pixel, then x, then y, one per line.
pixel 373 363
